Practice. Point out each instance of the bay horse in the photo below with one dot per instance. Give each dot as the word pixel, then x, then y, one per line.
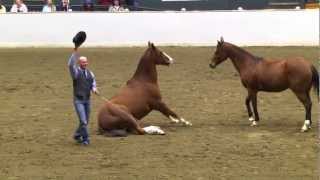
pixel 137 98
pixel 258 74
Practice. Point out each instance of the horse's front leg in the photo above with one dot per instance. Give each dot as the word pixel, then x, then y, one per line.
pixel 253 95
pixel 248 101
pixel 165 110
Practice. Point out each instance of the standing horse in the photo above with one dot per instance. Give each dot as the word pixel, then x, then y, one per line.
pixel 258 74
pixel 140 96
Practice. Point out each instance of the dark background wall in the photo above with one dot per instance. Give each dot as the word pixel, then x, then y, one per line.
pixel 220 4
pixel 159 5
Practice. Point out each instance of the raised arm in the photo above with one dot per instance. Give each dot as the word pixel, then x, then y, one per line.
pixel 72 64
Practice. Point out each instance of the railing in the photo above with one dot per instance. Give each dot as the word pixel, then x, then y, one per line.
pixel 38 8
pixel 159 5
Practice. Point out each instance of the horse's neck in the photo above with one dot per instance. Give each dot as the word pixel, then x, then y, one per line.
pixel 241 59
pixel 146 70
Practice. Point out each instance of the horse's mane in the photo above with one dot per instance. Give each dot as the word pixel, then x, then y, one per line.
pixel 145 66
pixel 243 51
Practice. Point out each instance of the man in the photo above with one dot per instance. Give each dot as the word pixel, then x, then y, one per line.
pixel 2 8
pixel 64 6
pixel 18 7
pixel 83 83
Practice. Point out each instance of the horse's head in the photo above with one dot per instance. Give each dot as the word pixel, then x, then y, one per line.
pixel 220 55
pixel 158 56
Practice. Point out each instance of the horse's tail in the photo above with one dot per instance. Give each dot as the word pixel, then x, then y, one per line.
pixel 315 80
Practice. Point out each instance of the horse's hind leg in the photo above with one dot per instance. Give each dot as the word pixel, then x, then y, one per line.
pixel 305 99
pixel 116 120
pixel 108 127
pixel 130 122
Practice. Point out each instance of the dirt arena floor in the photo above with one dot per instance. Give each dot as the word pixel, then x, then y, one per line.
pixel 37 121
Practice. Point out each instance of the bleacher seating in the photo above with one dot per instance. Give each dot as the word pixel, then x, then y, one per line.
pixel 159 5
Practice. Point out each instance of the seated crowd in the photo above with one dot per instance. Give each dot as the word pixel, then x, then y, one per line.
pixel 64 5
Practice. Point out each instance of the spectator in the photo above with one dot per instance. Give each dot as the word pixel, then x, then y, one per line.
pixel 49 7
pixel 116 7
pixel 64 6
pixel 87 5
pixel 19 6
pixel 2 8
pixel 105 3
pixel 133 5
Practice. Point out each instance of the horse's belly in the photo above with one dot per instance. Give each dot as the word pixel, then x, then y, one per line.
pixel 136 107
pixel 139 110
pixel 273 86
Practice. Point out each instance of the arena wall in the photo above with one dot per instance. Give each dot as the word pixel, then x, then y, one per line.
pixel 246 28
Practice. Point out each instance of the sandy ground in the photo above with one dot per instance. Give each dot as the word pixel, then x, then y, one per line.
pixel 37 121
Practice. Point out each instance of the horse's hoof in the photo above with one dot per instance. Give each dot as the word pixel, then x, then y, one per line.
pixel 251 119
pixel 187 123
pixel 306 126
pixel 304 130
pixel 254 123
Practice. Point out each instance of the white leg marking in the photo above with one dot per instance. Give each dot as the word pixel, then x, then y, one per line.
pixel 174 119
pixel 170 58
pixel 306 126
pixel 254 123
pixel 251 119
pixel 186 122
pixel 154 130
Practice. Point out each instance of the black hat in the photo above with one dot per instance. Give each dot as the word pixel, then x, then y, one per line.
pixel 79 38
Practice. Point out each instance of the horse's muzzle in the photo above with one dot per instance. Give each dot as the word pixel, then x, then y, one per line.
pixel 212 66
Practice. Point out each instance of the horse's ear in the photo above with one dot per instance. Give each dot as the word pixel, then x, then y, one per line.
pixel 221 40
pixel 150 44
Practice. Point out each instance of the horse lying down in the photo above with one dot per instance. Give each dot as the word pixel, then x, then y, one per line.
pixel 137 98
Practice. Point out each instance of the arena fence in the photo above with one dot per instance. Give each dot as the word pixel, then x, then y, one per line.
pixel 248 28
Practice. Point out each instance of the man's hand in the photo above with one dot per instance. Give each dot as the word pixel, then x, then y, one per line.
pixel 96 91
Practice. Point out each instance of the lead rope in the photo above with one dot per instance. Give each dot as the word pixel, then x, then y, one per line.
pixel 102 97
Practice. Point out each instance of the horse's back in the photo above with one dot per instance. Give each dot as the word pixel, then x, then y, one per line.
pixel 278 75
pixel 299 74
pixel 299 65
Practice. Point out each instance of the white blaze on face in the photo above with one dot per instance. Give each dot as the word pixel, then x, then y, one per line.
pixel 170 58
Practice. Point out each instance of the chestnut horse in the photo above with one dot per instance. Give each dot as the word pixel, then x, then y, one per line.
pixel 137 98
pixel 258 74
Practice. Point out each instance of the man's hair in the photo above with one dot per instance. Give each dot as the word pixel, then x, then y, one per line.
pixel 83 58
